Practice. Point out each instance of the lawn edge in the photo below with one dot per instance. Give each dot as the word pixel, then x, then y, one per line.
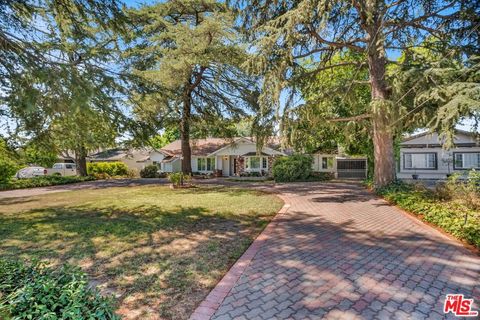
pixel 207 308
pixel 457 242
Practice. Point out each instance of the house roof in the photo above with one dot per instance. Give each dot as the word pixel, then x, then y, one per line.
pixel 207 146
pixel 425 133
pixel 118 154
pixel 200 147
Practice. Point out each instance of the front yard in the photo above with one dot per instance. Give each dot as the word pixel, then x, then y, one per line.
pixel 159 251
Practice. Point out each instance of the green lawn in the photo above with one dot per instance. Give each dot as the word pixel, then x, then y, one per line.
pixel 158 250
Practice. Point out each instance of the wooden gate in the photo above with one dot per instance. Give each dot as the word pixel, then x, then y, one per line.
pixel 351 168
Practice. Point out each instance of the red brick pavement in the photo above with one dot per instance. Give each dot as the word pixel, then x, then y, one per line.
pixel 341 253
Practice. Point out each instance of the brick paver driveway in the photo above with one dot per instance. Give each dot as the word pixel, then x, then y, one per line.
pixel 341 253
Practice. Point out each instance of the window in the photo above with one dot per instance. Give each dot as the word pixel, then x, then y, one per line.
pixel 205 164
pixel 70 166
pixel 466 160
pixel 210 164
pixel 412 161
pixel 256 163
pixel 327 162
pixel 264 163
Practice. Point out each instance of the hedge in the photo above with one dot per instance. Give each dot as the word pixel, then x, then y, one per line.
pixel 7 169
pixel 44 181
pixel 103 170
pixel 34 291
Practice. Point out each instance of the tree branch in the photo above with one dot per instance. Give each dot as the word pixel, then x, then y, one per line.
pixel 354 118
pixel 343 64
pixel 335 44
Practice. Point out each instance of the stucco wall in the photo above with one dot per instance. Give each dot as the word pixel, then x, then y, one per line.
pixel 317 163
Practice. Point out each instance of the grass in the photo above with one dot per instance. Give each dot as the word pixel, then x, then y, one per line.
pixel 159 251
pixel 42 182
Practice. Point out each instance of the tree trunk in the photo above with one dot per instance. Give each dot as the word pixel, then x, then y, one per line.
pixel 81 161
pixel 383 131
pixel 185 132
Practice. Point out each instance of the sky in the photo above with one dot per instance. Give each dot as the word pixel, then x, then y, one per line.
pixel 464 125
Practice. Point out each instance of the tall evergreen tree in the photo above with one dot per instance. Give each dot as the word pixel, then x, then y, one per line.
pixel 188 56
pixel 287 32
pixel 57 87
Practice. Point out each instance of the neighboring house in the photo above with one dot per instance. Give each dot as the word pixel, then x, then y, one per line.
pixel 228 157
pixel 422 155
pixel 133 158
pixel 340 166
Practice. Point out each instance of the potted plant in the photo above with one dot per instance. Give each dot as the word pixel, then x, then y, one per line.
pixel 415 175
pixel 448 160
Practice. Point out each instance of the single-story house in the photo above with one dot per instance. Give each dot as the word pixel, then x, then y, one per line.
pixel 133 158
pixel 340 166
pixel 423 155
pixel 230 157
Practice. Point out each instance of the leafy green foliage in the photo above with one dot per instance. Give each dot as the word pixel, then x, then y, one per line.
pixel 8 163
pixel 161 140
pixel 430 207
pixel 7 169
pixel 44 181
pixel 293 168
pixel 39 155
pixel 34 291
pixel 178 178
pixel 150 171
pixel 107 170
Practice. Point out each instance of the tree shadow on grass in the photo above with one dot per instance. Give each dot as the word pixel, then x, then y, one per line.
pixel 156 261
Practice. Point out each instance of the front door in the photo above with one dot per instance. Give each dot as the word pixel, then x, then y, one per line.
pixel 234 166
pixel 226 166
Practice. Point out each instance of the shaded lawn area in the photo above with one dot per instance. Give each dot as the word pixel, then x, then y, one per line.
pixel 159 251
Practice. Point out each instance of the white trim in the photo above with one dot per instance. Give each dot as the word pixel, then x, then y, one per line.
pixel 212 160
pixel 260 169
pixel 265 149
pixel 229 145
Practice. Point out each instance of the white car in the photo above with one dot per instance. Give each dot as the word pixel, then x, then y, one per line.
pixel 63 169
pixel 31 172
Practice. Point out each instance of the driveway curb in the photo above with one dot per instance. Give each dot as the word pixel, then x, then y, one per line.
pixel 212 302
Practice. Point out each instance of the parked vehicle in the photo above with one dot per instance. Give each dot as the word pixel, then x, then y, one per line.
pixel 31 172
pixel 63 169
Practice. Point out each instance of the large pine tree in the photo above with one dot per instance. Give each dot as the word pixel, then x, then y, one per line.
pixel 187 56
pixel 53 68
pixel 287 33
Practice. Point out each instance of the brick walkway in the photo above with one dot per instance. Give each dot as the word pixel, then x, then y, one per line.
pixel 340 253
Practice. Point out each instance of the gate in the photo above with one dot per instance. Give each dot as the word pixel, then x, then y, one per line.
pixel 351 168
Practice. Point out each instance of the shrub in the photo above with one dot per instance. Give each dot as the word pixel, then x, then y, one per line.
pixel 44 181
pixel 133 173
pixel 150 171
pixel 7 169
pixel 34 291
pixel 448 215
pixel 107 169
pixel 178 178
pixel 292 168
pixel 322 176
